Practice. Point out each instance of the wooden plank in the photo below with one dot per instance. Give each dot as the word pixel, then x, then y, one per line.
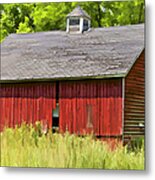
pixel 133 120
pixel 134 110
pixel 134 99
pixel 133 128
pixel 136 95
pixel 133 133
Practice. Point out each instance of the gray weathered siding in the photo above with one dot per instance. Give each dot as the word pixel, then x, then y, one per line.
pixel 134 105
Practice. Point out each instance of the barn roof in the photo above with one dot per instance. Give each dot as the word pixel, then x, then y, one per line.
pixel 99 53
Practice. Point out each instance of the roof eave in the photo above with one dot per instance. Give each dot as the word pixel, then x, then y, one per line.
pixel 88 17
pixel 106 76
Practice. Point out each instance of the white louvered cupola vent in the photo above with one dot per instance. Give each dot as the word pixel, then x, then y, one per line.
pixel 78 21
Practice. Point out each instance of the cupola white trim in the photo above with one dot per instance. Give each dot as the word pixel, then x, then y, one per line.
pixel 78 21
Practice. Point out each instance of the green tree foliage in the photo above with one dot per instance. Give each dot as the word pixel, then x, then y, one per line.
pixel 33 17
pixel 24 26
pixel 12 15
pixel 50 16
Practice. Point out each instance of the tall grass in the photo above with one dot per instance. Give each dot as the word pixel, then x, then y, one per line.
pixel 26 147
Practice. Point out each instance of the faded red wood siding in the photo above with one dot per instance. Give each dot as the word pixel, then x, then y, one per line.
pixel 26 103
pixel 134 105
pixel 91 106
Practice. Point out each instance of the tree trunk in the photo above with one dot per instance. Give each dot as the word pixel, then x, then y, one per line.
pixel 99 16
pixel 140 12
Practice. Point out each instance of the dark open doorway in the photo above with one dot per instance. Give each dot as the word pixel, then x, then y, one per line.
pixel 55 112
pixel 55 123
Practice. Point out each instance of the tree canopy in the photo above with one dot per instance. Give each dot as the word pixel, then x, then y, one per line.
pixel 34 17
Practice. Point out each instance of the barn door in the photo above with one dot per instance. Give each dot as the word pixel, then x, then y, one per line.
pixel 77 110
pixel 91 106
pixel 28 102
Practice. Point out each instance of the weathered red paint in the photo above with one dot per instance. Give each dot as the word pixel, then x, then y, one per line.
pixel 91 106
pixel 26 103
pixel 84 106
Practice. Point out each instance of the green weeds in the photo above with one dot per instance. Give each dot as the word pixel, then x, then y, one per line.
pixel 26 147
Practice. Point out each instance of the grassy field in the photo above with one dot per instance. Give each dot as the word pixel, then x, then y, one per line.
pixel 25 147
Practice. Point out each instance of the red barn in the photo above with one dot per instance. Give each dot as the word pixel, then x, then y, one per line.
pixel 83 80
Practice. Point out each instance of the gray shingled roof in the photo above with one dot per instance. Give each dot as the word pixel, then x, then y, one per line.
pixel 101 52
pixel 78 12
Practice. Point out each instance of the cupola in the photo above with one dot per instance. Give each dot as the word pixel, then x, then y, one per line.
pixel 78 21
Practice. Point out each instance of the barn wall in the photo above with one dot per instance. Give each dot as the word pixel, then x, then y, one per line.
pixel 134 106
pixel 91 106
pixel 26 102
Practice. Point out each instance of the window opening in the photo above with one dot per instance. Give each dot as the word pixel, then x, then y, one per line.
pixel 85 25
pixel 74 22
